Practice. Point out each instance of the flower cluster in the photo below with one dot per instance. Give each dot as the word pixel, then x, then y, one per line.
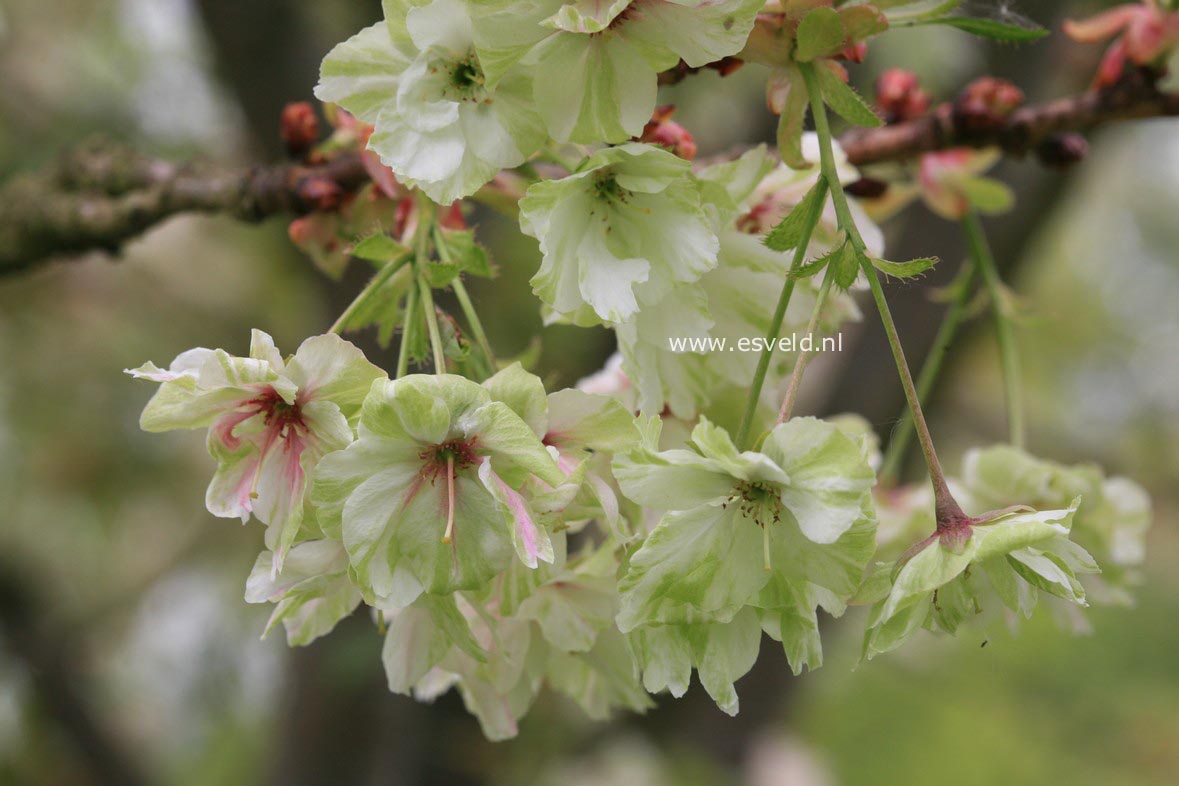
pixel 605 541
pixel 449 508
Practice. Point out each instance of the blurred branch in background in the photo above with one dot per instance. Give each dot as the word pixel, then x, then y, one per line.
pixel 1025 130
pixel 56 683
pixel 101 196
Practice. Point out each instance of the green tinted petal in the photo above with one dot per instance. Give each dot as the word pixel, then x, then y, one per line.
pixel 583 420
pixel 665 656
pixel 572 610
pixel 586 16
pixel 725 654
pixel 328 367
pixel 698 33
pixel 515 450
pixel 697 565
pixel 592 89
pixel 523 393
pixel 672 479
pixel 311 593
pixel 829 476
pixel 361 74
pixel 601 680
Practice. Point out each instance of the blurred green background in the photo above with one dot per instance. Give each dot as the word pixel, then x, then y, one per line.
pixel 126 652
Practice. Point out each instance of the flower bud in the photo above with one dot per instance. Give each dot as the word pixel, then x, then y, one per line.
pixel 661 130
pixel 299 128
pixel 854 52
pixel 899 95
pixel 320 193
pixel 986 103
pixel 1061 151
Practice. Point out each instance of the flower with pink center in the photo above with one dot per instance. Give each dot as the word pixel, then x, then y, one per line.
pixel 444 482
pixel 269 422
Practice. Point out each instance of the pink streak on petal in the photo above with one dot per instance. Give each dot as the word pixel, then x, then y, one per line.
pixel 223 427
pixel 241 492
pixel 525 526
pixel 566 463
pixel 293 468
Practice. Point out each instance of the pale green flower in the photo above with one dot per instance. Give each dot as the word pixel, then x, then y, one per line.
pixel 735 300
pixel 680 381
pixel 443 641
pixel 1111 521
pixel 310 594
pixel 783 530
pixel 439 124
pixel 954 575
pixel 721 653
pixel 622 230
pixel 428 497
pixel 552 625
pixel 270 421
pixel 594 65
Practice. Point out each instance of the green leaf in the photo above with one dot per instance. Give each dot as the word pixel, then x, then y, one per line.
pixel 820 33
pixel 846 265
pixel 383 306
pixel 1006 32
pixel 466 254
pixel 459 254
pixel 846 102
pixel 814 266
pixel 379 248
pixel 788 234
pixel 904 269
pixel 987 195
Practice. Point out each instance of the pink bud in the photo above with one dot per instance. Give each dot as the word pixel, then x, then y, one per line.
pixel 899 95
pixel 299 128
pixel 661 130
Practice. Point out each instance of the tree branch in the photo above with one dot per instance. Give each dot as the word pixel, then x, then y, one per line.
pixel 102 196
pixel 1134 96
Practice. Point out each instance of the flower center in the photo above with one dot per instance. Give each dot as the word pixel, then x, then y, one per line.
pixel 758 501
pixel 445 460
pixel 606 188
pixel 460 453
pixel 462 79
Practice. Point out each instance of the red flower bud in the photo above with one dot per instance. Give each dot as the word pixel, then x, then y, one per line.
pixel 986 103
pixel 453 217
pixel 1061 151
pixel 299 128
pixel 854 52
pixel 320 193
pixel 661 130
pixel 899 95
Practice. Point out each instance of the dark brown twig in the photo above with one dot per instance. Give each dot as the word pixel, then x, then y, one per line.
pixel 1135 96
pixel 100 197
